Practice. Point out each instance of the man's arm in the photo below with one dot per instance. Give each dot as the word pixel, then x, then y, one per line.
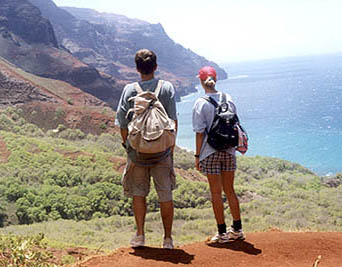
pixel 124 134
pixel 121 112
pixel 176 128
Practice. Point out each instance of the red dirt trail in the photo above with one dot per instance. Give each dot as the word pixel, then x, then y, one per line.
pixel 268 249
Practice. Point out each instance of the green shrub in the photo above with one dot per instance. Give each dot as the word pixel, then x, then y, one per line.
pixel 14 191
pixel 190 194
pixel 24 251
pixel 67 259
pixel 108 142
pixel 6 123
pixel 183 159
pixel 59 112
pixel 72 134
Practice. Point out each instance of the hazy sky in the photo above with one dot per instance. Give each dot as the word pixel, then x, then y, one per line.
pixel 237 30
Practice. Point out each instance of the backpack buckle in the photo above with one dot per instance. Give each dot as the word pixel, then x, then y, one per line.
pixel 150 105
pixel 224 107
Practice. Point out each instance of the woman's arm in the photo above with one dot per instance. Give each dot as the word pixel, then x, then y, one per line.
pixel 199 142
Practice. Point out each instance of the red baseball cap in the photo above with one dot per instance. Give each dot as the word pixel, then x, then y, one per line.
pixel 205 72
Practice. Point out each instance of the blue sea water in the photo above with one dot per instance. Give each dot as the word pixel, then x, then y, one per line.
pixel 291 108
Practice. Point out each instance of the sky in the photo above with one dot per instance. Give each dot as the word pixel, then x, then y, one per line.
pixel 237 30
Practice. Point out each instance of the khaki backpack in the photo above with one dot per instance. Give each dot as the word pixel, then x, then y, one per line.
pixel 150 130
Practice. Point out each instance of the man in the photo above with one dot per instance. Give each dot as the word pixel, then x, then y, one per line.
pixel 141 166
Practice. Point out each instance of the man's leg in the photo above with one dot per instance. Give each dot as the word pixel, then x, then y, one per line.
pixel 164 182
pixel 139 209
pixel 166 211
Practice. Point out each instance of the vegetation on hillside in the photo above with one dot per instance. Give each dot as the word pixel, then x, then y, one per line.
pixel 70 184
pixel 65 174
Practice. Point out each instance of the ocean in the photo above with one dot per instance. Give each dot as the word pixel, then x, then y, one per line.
pixel 291 109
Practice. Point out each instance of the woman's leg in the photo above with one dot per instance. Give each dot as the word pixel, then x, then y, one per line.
pixel 228 188
pixel 215 184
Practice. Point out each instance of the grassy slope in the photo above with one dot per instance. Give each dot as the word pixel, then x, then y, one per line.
pixel 274 193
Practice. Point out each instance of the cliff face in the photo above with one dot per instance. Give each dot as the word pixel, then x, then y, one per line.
pixel 28 40
pixel 49 103
pixel 14 91
pixel 23 19
pixel 108 42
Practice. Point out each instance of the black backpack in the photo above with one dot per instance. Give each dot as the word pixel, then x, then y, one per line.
pixel 223 132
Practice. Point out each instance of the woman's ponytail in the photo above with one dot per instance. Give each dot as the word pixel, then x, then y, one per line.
pixel 210 82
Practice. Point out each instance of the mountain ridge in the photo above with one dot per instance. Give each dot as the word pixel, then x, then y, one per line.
pixel 108 42
pixel 41 54
pixel 95 55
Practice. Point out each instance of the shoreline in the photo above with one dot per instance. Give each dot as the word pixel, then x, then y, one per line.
pixel 326 175
pixel 189 95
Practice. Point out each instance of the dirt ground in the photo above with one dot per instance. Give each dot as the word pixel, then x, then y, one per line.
pixel 268 249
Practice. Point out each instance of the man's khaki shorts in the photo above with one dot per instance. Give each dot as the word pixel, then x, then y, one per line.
pixel 136 180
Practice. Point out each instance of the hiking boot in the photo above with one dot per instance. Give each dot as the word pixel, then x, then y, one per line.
pixel 168 243
pixel 138 241
pixel 235 235
pixel 220 238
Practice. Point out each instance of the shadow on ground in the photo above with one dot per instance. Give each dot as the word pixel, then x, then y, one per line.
pixel 175 256
pixel 238 245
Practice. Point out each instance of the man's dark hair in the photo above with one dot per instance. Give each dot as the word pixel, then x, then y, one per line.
pixel 146 61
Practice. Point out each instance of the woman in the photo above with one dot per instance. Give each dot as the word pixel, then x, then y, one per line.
pixel 219 166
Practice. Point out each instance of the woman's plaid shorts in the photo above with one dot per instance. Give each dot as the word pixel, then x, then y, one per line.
pixel 218 162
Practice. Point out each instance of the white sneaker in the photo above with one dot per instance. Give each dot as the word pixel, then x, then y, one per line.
pixel 220 238
pixel 138 241
pixel 235 235
pixel 168 243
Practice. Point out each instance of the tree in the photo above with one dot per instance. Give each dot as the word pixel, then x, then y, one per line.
pixel 3 217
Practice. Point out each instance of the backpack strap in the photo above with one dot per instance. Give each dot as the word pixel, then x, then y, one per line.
pixel 213 102
pixel 210 100
pixel 137 87
pixel 159 85
pixel 139 90
pixel 223 98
